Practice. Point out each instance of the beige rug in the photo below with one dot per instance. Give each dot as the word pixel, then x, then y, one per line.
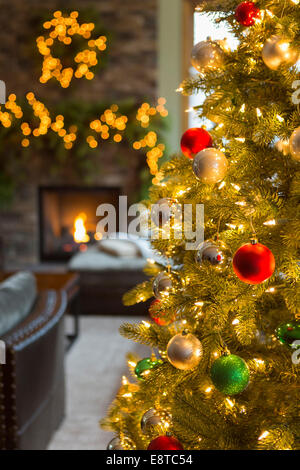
pixel 94 367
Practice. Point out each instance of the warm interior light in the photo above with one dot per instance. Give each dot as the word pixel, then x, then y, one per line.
pixel 80 234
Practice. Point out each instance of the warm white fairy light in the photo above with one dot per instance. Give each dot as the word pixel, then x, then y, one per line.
pixel 179 89
pixel 236 186
pixel 124 380
pixel 199 303
pixel 242 108
pixel 208 390
pixel 263 435
pixel 232 226
pixel 236 321
pixel 146 324
pixel 271 290
pixel 270 222
pixel 132 363
pixel 259 362
pixel 240 139
pixel 280 119
pixel 270 14
pixel 222 185
pixel 241 203
pixel 230 403
pixel 127 395
pixel 258 112
pixel 180 192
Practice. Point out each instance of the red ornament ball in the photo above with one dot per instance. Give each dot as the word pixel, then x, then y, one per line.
pixel 246 13
pixel 165 443
pixel 194 140
pixel 253 263
pixel 158 319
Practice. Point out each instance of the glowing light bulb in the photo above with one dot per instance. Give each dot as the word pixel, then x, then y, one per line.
pixel 263 435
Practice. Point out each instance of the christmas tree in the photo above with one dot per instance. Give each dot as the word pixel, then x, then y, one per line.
pixel 223 328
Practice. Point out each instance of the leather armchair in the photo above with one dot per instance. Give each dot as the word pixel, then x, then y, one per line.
pixel 32 384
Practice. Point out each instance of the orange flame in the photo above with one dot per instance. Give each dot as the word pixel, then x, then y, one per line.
pixel 80 234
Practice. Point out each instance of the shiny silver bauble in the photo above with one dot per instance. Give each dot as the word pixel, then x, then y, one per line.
pixel 162 285
pixel 184 351
pixel 207 55
pixel 213 252
pixel 277 51
pixel 295 144
pixel 210 165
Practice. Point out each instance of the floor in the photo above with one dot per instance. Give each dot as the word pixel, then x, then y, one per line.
pixel 94 367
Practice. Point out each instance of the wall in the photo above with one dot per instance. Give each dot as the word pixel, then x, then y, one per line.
pixel 131 72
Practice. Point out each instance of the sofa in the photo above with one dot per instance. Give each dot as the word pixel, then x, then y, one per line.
pixel 32 383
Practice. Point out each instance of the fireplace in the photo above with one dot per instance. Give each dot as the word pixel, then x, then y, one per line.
pixel 67 219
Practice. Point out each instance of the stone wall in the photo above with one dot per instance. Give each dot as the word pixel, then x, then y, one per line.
pixel 131 72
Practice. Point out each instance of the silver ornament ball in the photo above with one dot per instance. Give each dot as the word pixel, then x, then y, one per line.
pixel 115 444
pixel 163 210
pixel 214 252
pixel 295 144
pixel 277 52
pixel 162 284
pixel 153 418
pixel 210 165
pixel 207 55
pixel 184 351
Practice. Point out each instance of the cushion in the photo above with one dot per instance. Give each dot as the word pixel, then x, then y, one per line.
pixel 17 296
pixel 116 247
pixel 95 260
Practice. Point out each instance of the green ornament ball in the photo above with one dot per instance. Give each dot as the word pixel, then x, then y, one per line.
pixel 145 365
pixel 289 332
pixel 230 374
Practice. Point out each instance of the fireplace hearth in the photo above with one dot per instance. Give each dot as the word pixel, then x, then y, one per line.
pixel 67 218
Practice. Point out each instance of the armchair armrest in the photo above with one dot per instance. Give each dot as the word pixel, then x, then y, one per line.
pixel 33 373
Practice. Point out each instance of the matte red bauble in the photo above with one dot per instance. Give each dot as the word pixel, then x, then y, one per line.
pixel 246 13
pixel 165 443
pixel 253 263
pixel 159 320
pixel 194 140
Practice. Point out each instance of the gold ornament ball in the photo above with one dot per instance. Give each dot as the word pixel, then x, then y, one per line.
pixel 283 146
pixel 207 55
pixel 295 144
pixel 277 51
pixel 184 351
pixel 210 165
pixel 161 285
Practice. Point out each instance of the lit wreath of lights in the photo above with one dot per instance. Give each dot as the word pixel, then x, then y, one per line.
pixel 62 28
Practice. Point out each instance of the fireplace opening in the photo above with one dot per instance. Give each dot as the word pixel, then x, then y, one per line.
pixel 68 221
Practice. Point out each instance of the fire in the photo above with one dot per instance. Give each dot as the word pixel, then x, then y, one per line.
pixel 80 234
